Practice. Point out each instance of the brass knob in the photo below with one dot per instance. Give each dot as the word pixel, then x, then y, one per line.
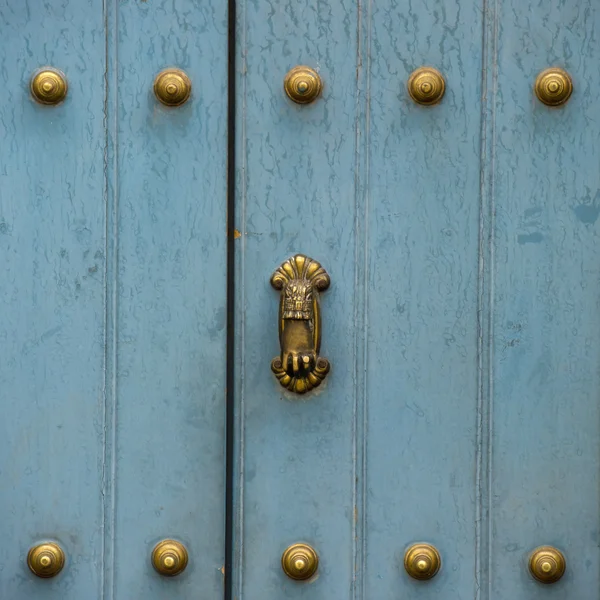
pixel 547 564
pixel 302 84
pixel 48 86
pixel 422 561
pixel 553 86
pixel 426 86
pixel 46 560
pixel 169 558
pixel 300 561
pixel 172 87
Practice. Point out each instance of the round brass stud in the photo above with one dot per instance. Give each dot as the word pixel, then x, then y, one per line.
pixel 553 86
pixel 46 560
pixel 300 561
pixel 426 86
pixel 169 558
pixel 302 85
pixel 547 564
pixel 172 87
pixel 48 86
pixel 422 561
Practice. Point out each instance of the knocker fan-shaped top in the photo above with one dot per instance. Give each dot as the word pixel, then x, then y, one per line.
pixel 301 267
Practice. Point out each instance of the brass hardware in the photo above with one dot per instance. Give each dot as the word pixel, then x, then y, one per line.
pixel 46 560
pixel 169 558
pixel 172 87
pixel 426 86
pixel 300 562
pixel 302 84
pixel 422 561
pixel 553 86
pixel 547 564
pixel 49 86
pixel 300 368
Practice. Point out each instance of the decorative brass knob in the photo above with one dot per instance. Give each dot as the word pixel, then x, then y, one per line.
pixel 422 561
pixel 300 561
pixel 553 86
pixel 172 87
pixel 547 564
pixel 169 558
pixel 302 84
pixel 48 86
pixel 426 86
pixel 46 560
pixel 299 368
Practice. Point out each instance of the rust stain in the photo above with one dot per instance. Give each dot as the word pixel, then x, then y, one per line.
pixel 236 234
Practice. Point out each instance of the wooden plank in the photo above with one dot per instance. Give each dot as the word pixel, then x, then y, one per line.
pixel 546 414
pixel 297 193
pixel 423 219
pixel 52 243
pixel 171 297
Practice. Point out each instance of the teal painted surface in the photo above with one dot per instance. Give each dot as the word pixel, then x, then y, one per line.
pixel 544 292
pixel 112 229
pixel 461 324
pixel 422 244
pixel 170 307
pixel 52 243
pixel 297 193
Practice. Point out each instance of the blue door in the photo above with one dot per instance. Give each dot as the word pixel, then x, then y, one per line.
pixel 113 287
pixel 451 451
pixel 300 300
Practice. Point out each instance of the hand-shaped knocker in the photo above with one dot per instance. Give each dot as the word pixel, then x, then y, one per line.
pixel 299 368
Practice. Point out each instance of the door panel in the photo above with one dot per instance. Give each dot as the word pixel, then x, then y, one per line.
pixel 113 225
pixel 461 319
pixel 169 286
pixel 422 239
pixel 297 194
pixel 52 242
pixel 460 323
pixel 545 416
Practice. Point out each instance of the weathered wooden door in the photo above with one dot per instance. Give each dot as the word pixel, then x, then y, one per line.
pixel 410 412
pixel 113 287
pixel 462 406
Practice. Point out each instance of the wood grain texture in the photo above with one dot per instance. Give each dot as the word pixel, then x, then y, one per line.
pixel 462 402
pixel 483 471
pixel 423 258
pixel 112 230
pixel 171 303
pixel 52 243
pixel 546 409
pixel 461 324
pixel 409 284
pixel 297 193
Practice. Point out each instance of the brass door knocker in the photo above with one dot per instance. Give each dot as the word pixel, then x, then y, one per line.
pixel 300 368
